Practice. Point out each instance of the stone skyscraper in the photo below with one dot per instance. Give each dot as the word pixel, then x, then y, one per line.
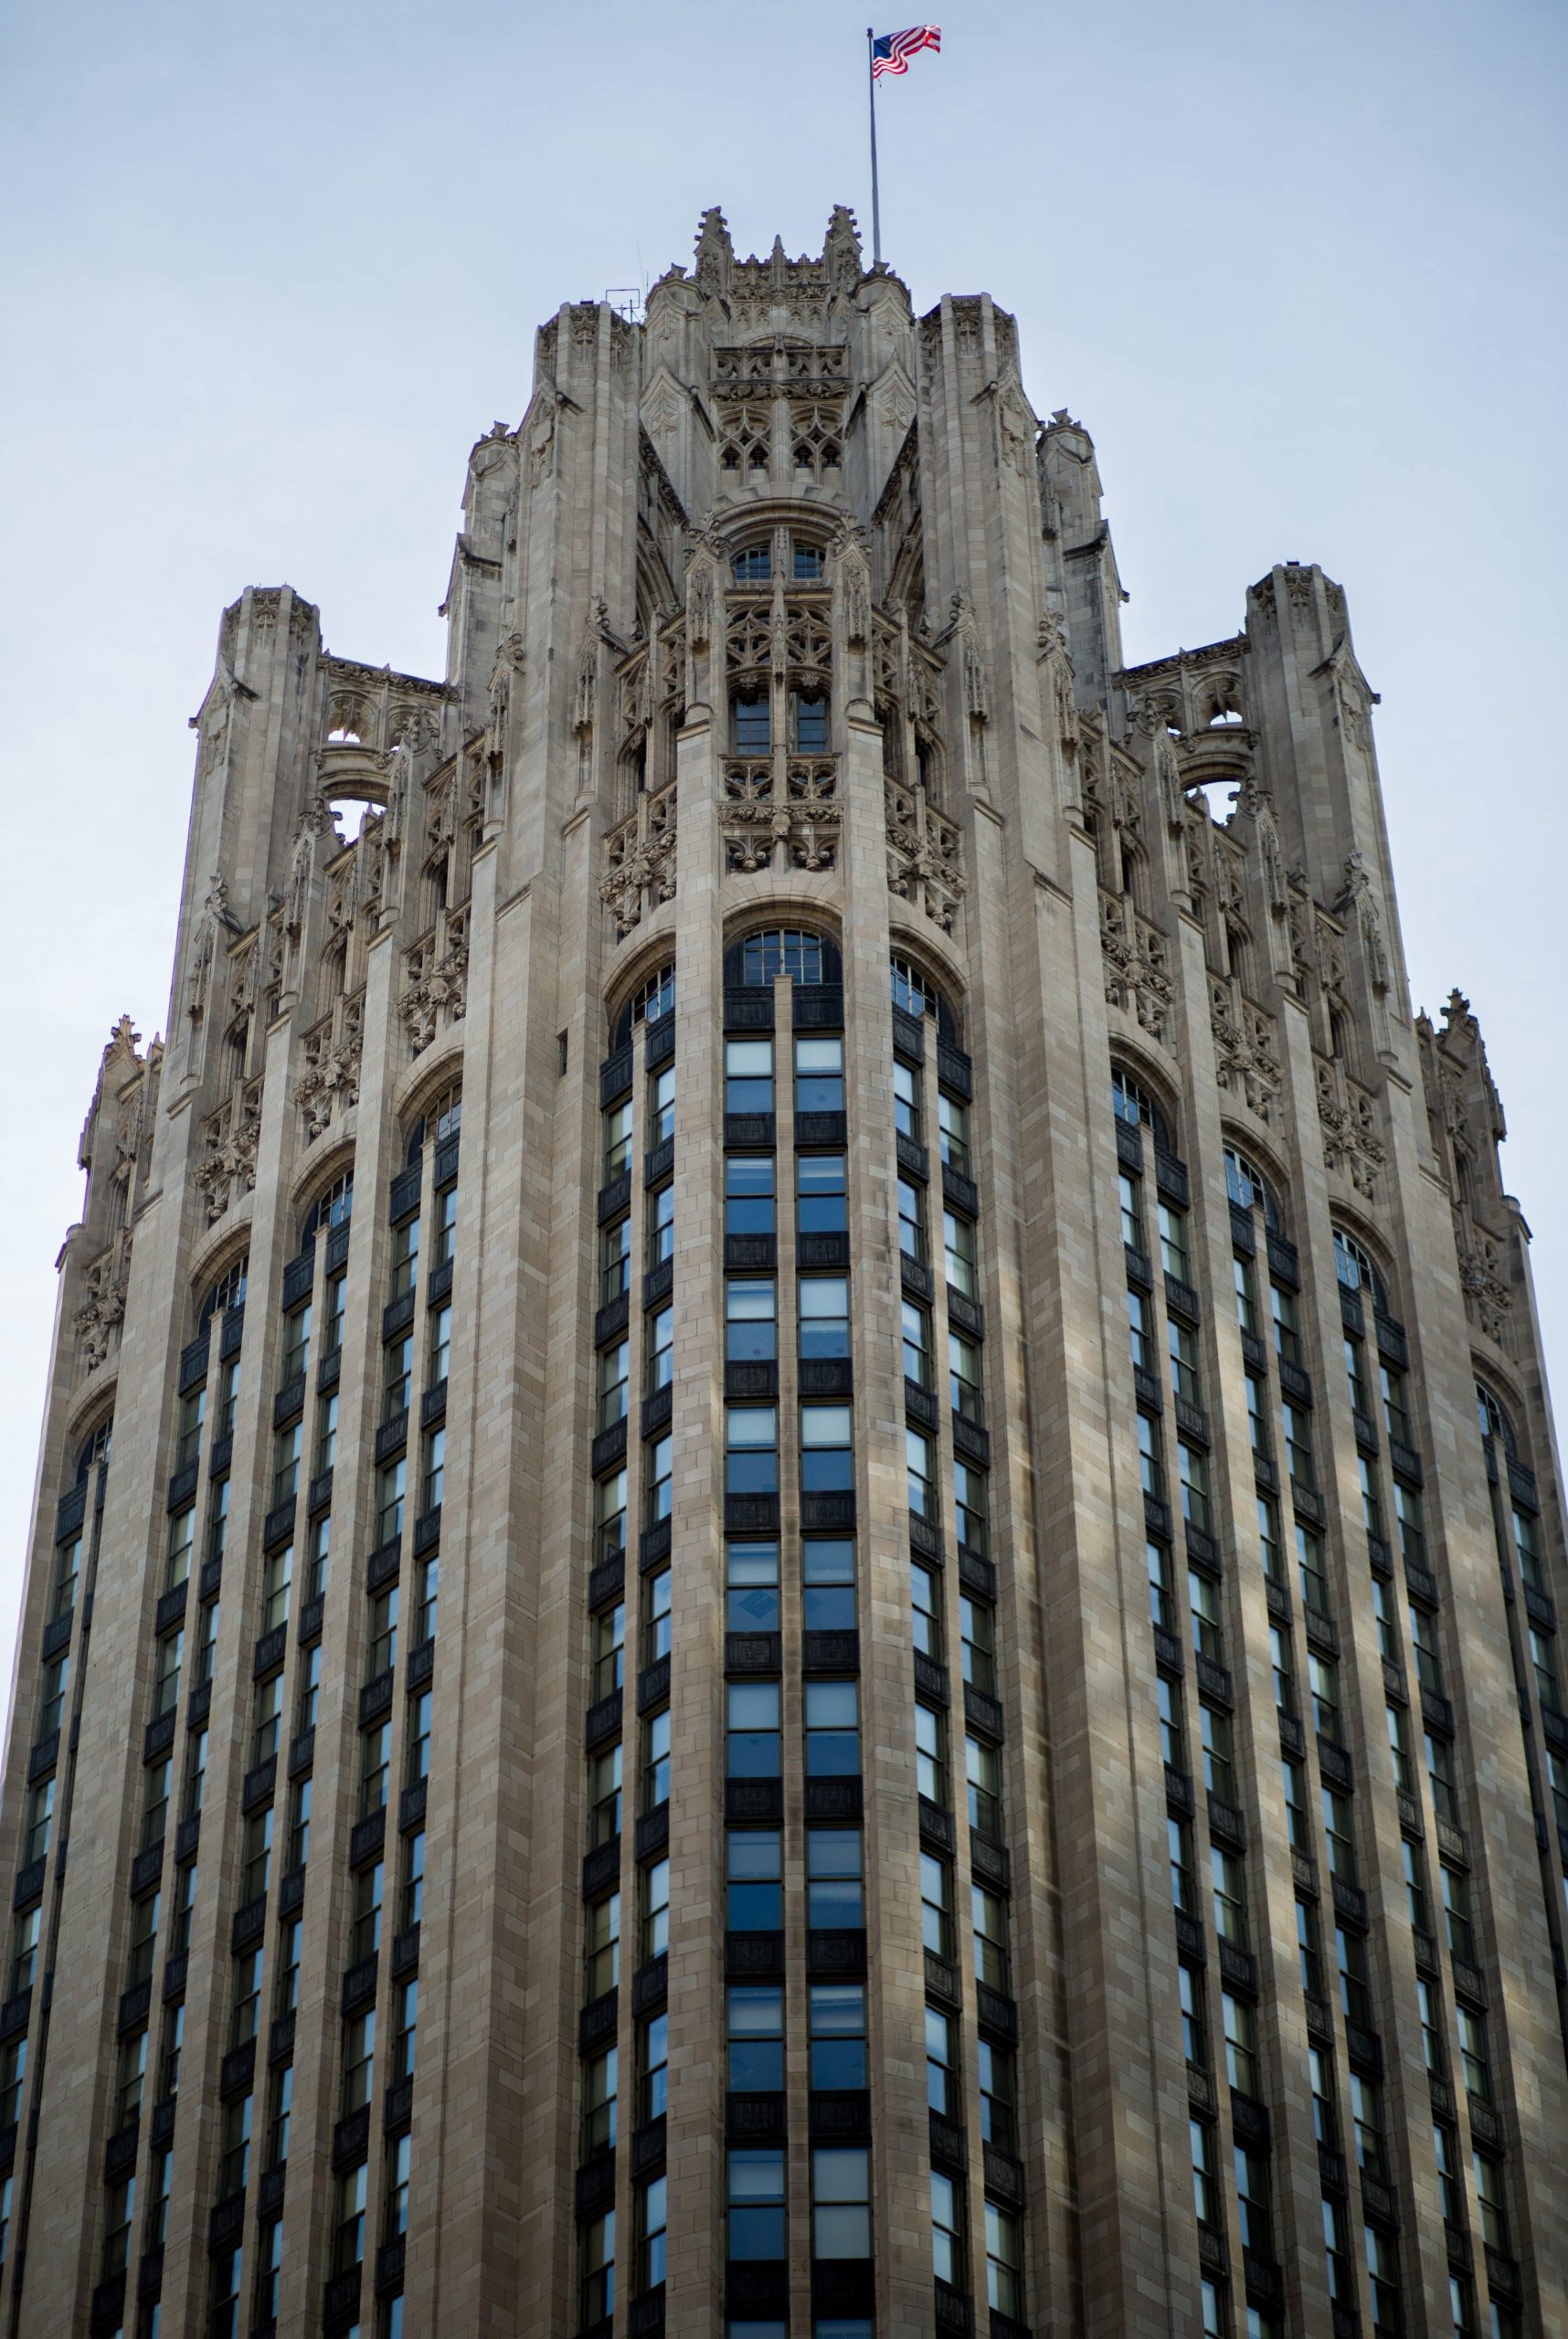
pixel 826 1600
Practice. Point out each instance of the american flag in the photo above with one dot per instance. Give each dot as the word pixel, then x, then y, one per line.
pixel 891 52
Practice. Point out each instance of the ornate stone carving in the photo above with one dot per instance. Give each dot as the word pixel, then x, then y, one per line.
pixel 768 817
pixel 961 628
pixel 541 438
pixel 102 1312
pixel 214 919
pixel 1357 898
pixel 315 822
pixel 435 992
pixel 1059 705
pixel 1350 1142
pixel 227 1170
pixel 925 854
pixel 1488 1299
pixel 330 1082
pixel 856 600
pixel 639 856
pixel 700 603
pixel 1246 1065
pixel 595 635
pixel 1137 967
pixel 1168 775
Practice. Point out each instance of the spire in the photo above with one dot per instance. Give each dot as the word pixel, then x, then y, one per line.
pixel 715 253
pixel 843 261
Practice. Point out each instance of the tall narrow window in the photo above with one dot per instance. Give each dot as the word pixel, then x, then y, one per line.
pixel 661 1225
pixel 835 1893
pixel 946 2220
pixel 953 1127
pixel 819 1075
pixel 906 1107
pixel 618 1139
pixel 840 2202
pixel 755 2220
pixel 751 1320
pixel 959 1251
pixel 748 1076
pixel 824 1316
pixel 837 2014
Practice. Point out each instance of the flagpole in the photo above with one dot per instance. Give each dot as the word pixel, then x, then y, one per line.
pixel 876 195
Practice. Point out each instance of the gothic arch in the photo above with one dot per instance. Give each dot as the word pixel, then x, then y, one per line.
pixel 1277 1184
pixel 424 1081
pixel 324 1176
pixel 1347 1224
pixel 942 982
pixel 94 1412
pixel 218 1270
pixel 635 983
pixel 782 918
pixel 1164 1104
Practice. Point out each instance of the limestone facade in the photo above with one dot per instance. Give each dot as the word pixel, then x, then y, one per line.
pixel 826 1601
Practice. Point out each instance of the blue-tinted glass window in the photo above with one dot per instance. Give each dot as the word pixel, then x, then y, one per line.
pixel 754 1894
pixel 838 2034
pixel 755 2044
pixel 827 1568
pixel 820 1186
pixel 748 1193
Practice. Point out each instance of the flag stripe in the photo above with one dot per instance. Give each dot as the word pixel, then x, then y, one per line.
pixel 891 52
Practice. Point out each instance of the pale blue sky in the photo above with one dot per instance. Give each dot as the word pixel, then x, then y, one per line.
pixel 271 272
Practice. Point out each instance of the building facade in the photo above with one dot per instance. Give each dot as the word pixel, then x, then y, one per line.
pixel 798 1551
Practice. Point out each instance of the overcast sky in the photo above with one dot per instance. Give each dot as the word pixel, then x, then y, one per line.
pixel 271 271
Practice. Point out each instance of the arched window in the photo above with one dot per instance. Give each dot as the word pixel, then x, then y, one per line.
pixel 1355 1270
pixel 95 1448
pixel 795 951
pixel 810 731
pixel 1249 1188
pixel 916 994
pixel 751 723
pixel 1135 1106
pixel 808 561
pixel 331 1209
pixel 442 1118
pixel 227 1292
pixel 1494 1421
pixel 753 564
pixel 653 997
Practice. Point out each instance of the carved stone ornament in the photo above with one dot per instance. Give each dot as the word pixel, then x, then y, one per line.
pixel 317 821
pixel 1350 1142
pixel 214 919
pixel 700 603
pixel 1136 964
pixel 227 1170
pixel 1168 773
pixel 1357 897
pixel 925 854
pixel 1245 1064
pixel 962 627
pixel 639 855
pixel 1059 705
pixel 1488 1299
pixel 856 600
pixel 330 1082
pixel 541 440
pixel 435 995
pixel 102 1312
pixel 765 824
